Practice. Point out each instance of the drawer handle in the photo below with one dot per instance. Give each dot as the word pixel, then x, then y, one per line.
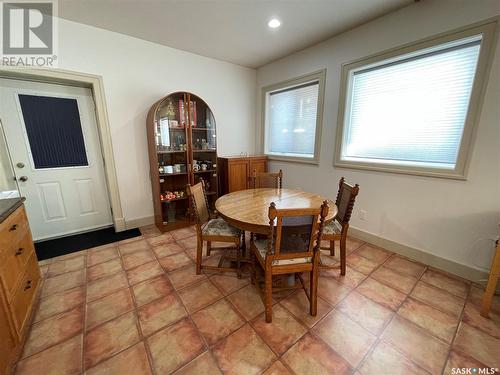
pixel 19 251
pixel 13 228
pixel 28 285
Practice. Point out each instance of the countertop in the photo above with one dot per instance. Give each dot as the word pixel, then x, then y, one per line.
pixel 8 206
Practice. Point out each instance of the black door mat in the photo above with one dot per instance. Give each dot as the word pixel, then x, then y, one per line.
pixel 66 245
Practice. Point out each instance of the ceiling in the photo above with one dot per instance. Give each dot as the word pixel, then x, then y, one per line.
pixel 230 30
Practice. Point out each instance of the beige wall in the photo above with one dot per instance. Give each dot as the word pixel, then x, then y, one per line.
pixel 455 220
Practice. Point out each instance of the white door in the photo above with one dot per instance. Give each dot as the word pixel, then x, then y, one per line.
pixel 53 139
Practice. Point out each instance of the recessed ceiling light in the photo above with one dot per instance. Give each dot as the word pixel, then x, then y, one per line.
pixel 274 23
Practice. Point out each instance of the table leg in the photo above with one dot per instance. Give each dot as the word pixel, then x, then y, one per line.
pixel 492 283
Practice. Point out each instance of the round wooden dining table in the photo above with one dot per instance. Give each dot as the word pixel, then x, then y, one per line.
pixel 248 209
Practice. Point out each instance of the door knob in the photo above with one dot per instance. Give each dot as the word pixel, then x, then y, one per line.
pixel 23 178
pixel 20 165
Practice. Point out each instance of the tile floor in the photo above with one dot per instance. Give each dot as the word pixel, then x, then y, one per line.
pixel 137 307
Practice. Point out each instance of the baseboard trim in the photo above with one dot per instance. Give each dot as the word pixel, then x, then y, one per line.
pixel 139 222
pixel 422 256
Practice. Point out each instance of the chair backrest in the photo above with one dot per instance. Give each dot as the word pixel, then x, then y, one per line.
pixel 345 201
pixel 293 232
pixel 267 179
pixel 199 201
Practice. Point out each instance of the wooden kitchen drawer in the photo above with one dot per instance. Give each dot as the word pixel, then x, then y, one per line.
pixel 24 298
pixel 13 229
pixel 13 263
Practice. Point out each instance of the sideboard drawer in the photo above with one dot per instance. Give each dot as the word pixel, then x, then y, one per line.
pixel 13 228
pixel 23 299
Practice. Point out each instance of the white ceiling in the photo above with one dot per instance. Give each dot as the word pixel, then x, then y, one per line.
pixel 230 30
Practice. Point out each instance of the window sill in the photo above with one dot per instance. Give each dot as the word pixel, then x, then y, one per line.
pixel 293 159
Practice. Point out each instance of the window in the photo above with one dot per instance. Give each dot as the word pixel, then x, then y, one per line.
pixel 412 110
pixel 292 118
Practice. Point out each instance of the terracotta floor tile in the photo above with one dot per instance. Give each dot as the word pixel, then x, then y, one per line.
pixel 380 293
pixel 298 305
pixel 105 286
pixel 229 283
pixel 63 358
pixel 361 264
pixel 99 249
pixel 63 266
pixel 109 307
pixel 74 254
pixel 447 282
pixel 403 283
pixel 282 332
pixel 60 302
pixel 44 270
pixel 183 277
pixel 217 321
pixel 203 364
pixel 151 289
pixel 53 331
pixel 384 359
pixel 137 258
pixel 130 240
pixel 131 361
pixel 150 231
pixel 247 301
pixel 373 253
pixel 418 345
pixel 440 324
pixel 351 279
pixel 175 261
pixel 160 313
pixel 131 247
pixel 243 352
pixel 170 248
pixel 345 336
pixel 174 346
pixel 460 360
pixel 199 295
pixel 438 298
pixel 489 325
pixel 277 368
pixel 405 266
pixel 477 344
pixel 352 244
pixel 310 355
pixel 368 314
pixel 104 269
pixel 189 242
pixel 101 256
pixel 179 234
pixel 476 298
pixel 110 338
pixel 144 272
pixel 63 282
pixel 332 291
pixel 160 240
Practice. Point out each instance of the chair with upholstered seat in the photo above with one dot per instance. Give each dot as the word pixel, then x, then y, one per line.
pixel 267 179
pixel 336 230
pixel 291 247
pixel 212 229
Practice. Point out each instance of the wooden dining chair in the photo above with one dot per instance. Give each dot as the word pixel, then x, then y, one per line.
pixel 267 179
pixel 336 230
pixel 210 228
pixel 291 247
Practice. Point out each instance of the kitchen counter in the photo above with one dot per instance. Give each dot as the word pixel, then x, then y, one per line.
pixel 8 206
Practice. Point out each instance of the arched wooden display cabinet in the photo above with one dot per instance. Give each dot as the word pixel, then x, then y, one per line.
pixel 182 144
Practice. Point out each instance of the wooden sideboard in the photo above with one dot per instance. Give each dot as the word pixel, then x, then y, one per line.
pixel 19 279
pixel 235 171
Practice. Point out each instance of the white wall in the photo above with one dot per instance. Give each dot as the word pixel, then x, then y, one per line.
pixel 136 74
pixel 448 218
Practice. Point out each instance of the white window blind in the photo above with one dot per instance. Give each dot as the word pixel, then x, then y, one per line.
pixel 291 120
pixel 411 110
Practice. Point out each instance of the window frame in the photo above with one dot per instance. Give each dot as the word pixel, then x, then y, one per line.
pixel 319 76
pixel 488 29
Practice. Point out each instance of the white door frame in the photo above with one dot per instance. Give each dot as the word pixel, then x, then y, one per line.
pixel 95 83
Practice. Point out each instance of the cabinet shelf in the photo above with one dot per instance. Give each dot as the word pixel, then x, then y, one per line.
pixel 207 171
pixel 203 129
pixel 173 174
pixel 170 152
pixel 174 199
pixel 210 150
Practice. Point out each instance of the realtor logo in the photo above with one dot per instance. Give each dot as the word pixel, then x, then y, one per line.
pixel 28 33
